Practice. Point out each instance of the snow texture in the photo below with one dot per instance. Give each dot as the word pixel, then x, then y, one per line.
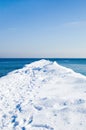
pixel 43 96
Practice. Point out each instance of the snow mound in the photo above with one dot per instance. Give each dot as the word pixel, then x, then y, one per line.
pixel 43 96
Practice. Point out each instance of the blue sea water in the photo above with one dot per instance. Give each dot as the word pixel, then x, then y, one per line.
pixel 9 64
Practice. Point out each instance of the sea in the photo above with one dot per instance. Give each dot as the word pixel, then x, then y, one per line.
pixel 9 64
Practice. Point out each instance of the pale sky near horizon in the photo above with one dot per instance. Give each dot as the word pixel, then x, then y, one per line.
pixel 43 28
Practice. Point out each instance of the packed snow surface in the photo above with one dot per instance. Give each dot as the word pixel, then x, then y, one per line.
pixel 43 96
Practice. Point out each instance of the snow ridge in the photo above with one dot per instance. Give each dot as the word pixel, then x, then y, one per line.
pixel 43 96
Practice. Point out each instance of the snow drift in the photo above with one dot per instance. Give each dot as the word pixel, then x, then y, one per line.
pixel 43 96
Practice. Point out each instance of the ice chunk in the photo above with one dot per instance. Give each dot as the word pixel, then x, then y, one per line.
pixel 43 95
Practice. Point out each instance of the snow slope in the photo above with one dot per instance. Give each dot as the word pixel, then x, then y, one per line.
pixel 43 96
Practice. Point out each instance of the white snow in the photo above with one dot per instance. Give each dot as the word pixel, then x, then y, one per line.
pixel 43 96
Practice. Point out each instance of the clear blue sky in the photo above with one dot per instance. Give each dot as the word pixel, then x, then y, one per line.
pixel 43 28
